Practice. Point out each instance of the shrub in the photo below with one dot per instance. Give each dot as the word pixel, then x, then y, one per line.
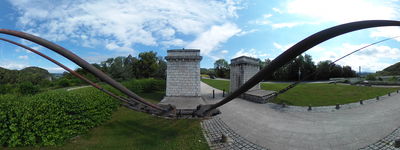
pixel 6 88
pixel 64 82
pixel 145 85
pixel 27 88
pixel 50 118
pixel 133 85
pixel 371 77
pixel 393 79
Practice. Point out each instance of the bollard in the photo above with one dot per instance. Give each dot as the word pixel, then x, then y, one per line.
pixel 309 107
pixel 223 92
pixel 361 102
pixel 213 93
pixel 377 98
pixel 397 91
pixel 283 105
pixel 388 94
pixel 397 143
pixel 337 106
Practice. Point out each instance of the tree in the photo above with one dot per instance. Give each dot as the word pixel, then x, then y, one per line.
pixel 323 70
pixel 308 67
pixel 221 67
pixel 148 64
pixel 162 68
pixel 335 71
pixel 348 72
pixel 371 77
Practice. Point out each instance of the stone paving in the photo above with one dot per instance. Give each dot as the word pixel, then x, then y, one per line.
pixel 385 143
pixel 372 126
pixel 213 130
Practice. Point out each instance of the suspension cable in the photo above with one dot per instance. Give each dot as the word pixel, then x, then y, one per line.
pixel 293 52
pixel 129 101
pixel 329 65
pixel 79 61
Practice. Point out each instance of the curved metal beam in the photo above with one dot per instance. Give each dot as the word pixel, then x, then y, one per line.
pixel 73 73
pixel 293 52
pixel 79 61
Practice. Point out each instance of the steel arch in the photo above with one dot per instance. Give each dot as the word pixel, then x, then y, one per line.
pixel 293 52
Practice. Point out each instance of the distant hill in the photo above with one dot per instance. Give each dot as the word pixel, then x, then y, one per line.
pixel 391 70
pixel 30 74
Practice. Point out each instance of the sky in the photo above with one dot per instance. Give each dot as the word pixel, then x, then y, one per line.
pixel 222 29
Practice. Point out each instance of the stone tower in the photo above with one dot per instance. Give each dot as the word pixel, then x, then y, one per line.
pixel 242 69
pixel 183 79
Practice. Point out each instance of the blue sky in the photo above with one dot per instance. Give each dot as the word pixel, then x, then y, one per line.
pixel 99 29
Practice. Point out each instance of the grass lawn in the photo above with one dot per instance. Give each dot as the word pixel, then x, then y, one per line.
pixel 315 94
pixel 135 130
pixel 218 84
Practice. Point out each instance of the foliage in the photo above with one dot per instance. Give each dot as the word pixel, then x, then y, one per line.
pixel 209 72
pixel 145 85
pixel 50 118
pixel 391 70
pixel 371 77
pixel 64 82
pixel 35 75
pixel 27 88
pixel 221 68
pixel 306 67
pixel 125 68
pixel 148 64
pixel 6 88
pixel 393 79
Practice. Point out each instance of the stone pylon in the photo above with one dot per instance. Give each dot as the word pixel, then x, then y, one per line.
pixel 242 69
pixel 183 79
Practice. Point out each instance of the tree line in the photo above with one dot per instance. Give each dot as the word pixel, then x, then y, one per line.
pixel 290 72
pixel 147 65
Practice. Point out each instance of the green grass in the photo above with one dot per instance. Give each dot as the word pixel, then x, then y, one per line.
pixel 135 130
pixel 218 84
pixel 315 94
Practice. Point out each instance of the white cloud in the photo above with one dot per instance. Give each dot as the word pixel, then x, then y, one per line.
pixel 282 47
pixel 246 32
pixel 210 40
pixel 114 46
pixel 277 10
pixel 387 32
pixel 174 42
pixel 125 22
pixel 285 25
pixel 251 53
pixel 370 59
pixel 343 10
pixel 13 65
pixel 224 51
pixel 23 57
pixel 55 69
pixel 290 24
pixel 265 20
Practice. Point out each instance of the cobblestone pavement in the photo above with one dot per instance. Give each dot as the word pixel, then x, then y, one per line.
pixel 386 143
pixel 213 130
pixel 372 126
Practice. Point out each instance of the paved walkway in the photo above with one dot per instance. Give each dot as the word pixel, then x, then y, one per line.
pixel 343 129
pixel 79 87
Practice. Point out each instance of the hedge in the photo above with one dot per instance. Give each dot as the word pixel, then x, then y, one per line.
pixel 145 85
pixel 51 118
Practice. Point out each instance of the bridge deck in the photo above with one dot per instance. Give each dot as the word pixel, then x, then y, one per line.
pixel 343 129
